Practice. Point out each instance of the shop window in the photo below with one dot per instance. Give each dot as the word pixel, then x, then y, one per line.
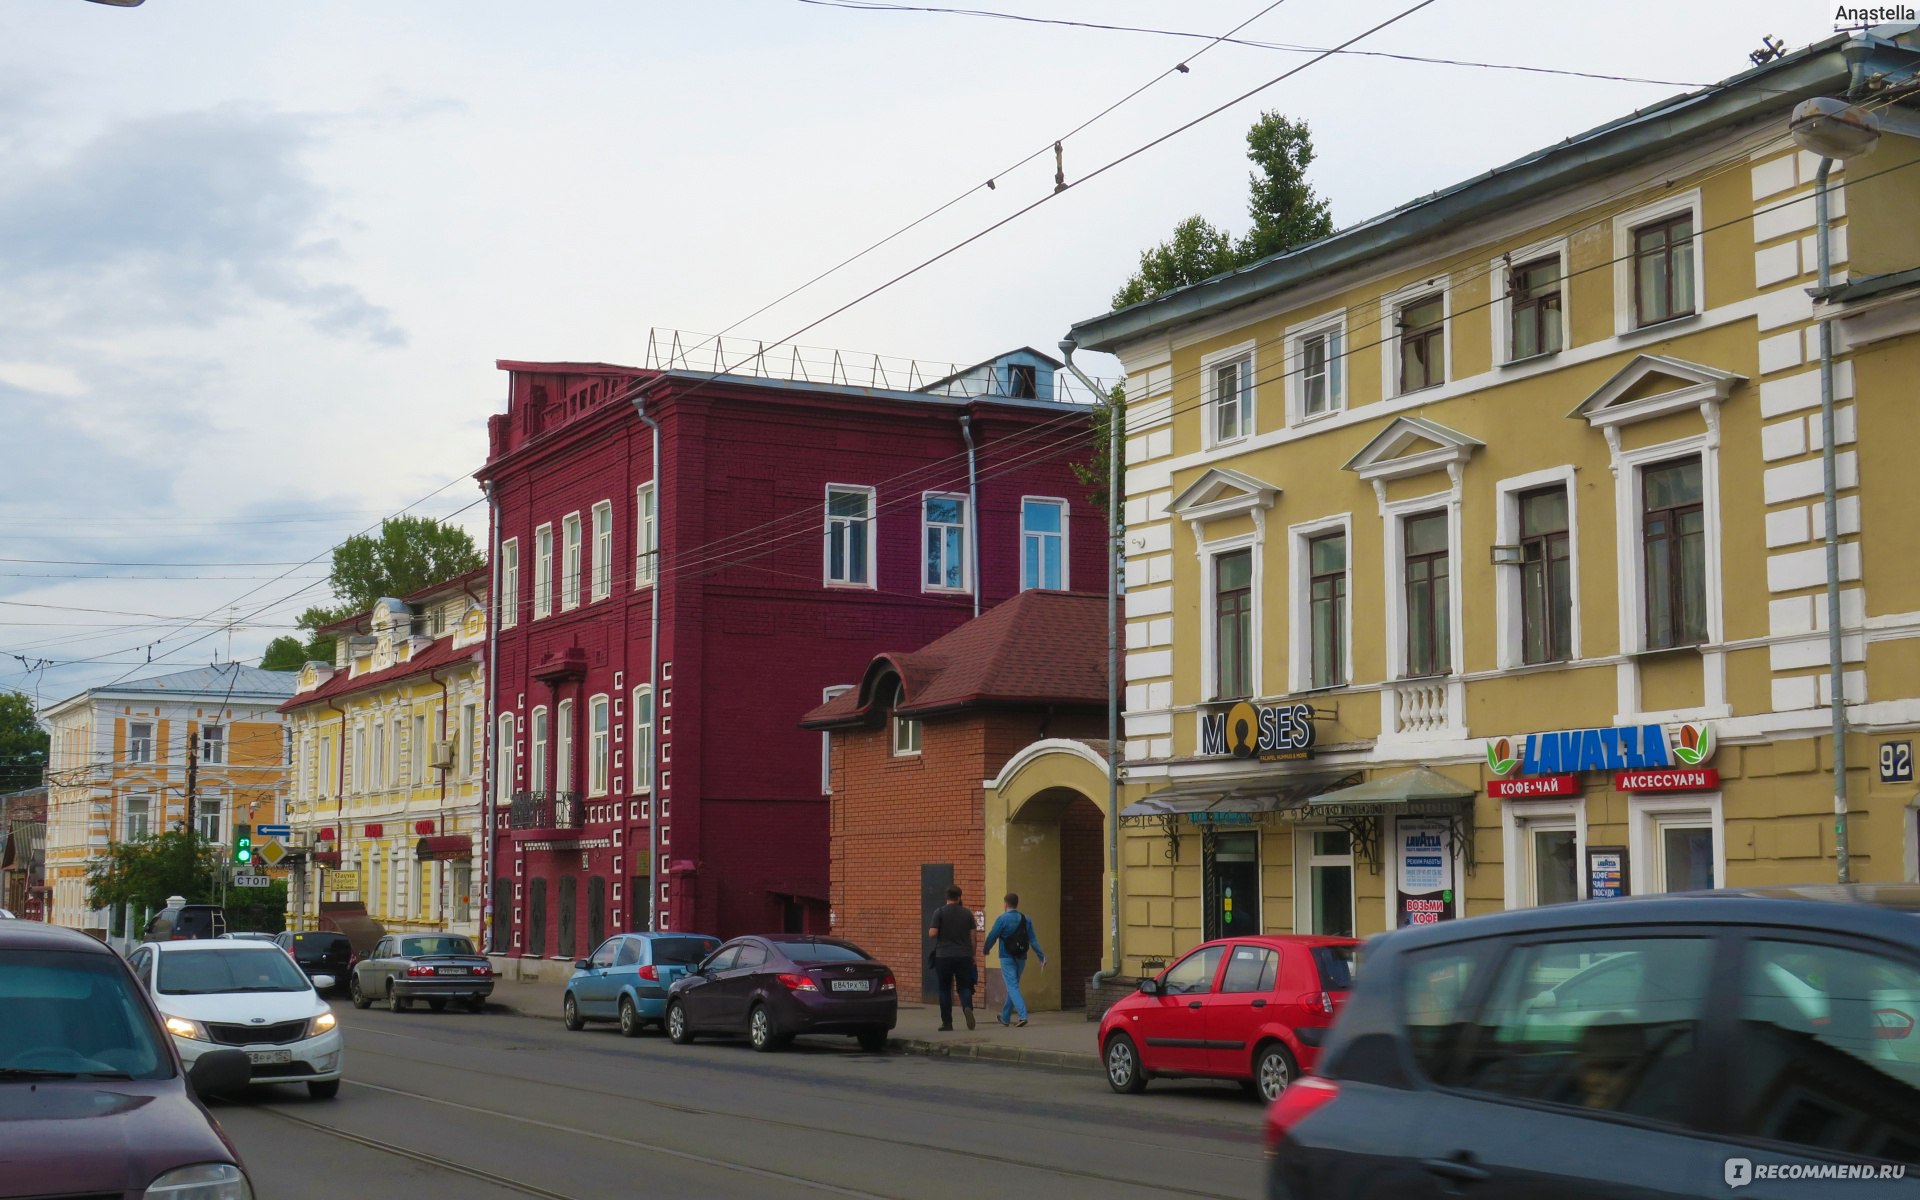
pixel 1425 575
pixel 1233 625
pixel 1552 862
pixel 1230 870
pixel 1673 531
pixel 1683 846
pixel 1325 886
pixel 1546 577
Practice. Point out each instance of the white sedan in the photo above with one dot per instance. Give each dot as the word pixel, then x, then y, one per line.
pixel 247 996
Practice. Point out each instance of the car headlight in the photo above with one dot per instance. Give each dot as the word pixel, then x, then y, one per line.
pixel 203 1181
pixel 320 1024
pixel 181 1027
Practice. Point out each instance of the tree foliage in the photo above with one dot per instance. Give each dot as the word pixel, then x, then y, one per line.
pixel 145 871
pixel 23 743
pixel 1285 211
pixel 284 654
pixel 408 554
pixel 261 910
pixel 1094 473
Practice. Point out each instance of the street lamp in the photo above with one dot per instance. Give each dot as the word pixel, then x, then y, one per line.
pixel 1832 129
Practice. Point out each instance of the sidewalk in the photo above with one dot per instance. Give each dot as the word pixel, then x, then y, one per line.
pixel 1061 1040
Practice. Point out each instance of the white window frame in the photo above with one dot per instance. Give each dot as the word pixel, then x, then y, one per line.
pixel 907 737
pixel 872 531
pixel 1304 860
pixel 543 566
pixel 1508 606
pixel 1209 667
pixel 1247 355
pixel 140 749
pixel 1300 612
pixel 218 817
pixel 1646 814
pixel 1330 325
pixel 646 534
pixel 599 745
pixel 213 745
pixel 509 583
pixel 127 831
pixel 1519 819
pixel 570 552
pixel 1502 305
pixel 602 550
pixel 467 752
pixel 379 757
pixel 1631 565
pixel 360 771
pixel 1623 227
pixel 1066 512
pixel 1390 306
pixel 539 749
pixel 966 542
pixel 503 761
pixel 1396 514
pixel 563 746
pixel 396 777
pixel 643 740
pixel 826 739
pixel 419 753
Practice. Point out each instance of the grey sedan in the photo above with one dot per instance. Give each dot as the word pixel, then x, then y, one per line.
pixel 435 967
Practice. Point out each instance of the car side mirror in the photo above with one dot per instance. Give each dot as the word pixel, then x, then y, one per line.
pixel 322 982
pixel 581 964
pixel 1149 987
pixel 220 1071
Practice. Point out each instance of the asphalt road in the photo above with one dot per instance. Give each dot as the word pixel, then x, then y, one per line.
pixel 444 1105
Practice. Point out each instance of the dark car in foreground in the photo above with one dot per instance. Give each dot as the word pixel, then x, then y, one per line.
pixel 769 989
pixel 93 1101
pixel 1757 1043
pixel 439 968
pixel 320 952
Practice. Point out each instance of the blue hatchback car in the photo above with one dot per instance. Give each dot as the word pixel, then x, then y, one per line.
pixel 627 978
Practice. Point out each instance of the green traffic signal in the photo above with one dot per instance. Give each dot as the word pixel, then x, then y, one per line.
pixel 243 843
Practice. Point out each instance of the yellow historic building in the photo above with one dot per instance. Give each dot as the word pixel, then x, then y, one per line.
pixel 200 748
pixel 1474 554
pixel 387 767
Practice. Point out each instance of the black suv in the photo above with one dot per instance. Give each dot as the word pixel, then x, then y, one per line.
pixel 319 953
pixel 1753 1043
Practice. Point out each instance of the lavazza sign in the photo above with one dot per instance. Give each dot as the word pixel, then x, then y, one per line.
pixel 1643 758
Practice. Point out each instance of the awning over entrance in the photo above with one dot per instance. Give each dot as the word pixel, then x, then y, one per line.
pixel 444 846
pixel 1201 800
pixel 329 859
pixel 1417 792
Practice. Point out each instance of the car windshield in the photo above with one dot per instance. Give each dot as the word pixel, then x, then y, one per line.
pixel 1336 965
pixel 71 1015
pixel 682 951
pixel 417 947
pixel 214 972
pixel 820 952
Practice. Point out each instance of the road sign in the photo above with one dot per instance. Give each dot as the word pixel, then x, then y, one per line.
pixel 270 853
pixel 273 831
pixel 251 881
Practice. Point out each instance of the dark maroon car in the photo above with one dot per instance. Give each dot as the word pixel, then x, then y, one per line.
pixel 768 989
pixel 92 1097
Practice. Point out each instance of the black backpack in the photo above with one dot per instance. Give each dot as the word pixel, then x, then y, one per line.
pixel 1017 943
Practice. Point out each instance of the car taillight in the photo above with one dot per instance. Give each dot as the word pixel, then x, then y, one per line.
pixel 420 969
pixel 650 972
pixel 1320 1000
pixel 799 983
pixel 1304 1097
pixel 1891 1024
pixel 886 982
pixel 486 970
pixel 1326 1003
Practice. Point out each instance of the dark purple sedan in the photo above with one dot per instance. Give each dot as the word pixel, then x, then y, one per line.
pixel 92 1097
pixel 770 988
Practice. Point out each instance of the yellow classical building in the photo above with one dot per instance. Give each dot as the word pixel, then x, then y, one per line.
pixel 1474 553
pixel 200 748
pixel 387 768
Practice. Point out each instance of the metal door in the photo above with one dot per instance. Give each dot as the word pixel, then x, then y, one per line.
pixel 935 879
pixel 596 910
pixel 564 924
pixel 537 918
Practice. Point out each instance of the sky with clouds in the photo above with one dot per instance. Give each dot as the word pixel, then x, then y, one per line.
pixel 257 259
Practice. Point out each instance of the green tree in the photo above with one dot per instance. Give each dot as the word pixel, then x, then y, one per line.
pixel 1285 210
pixel 23 743
pixel 409 553
pixel 145 871
pixel 1094 473
pixel 263 910
pixel 284 654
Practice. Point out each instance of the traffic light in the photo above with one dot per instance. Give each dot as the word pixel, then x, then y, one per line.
pixel 243 844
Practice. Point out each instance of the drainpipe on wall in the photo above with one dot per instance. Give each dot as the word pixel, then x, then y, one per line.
pixel 653 666
pixel 488 782
pixel 1836 661
pixel 973 508
pixel 1114 463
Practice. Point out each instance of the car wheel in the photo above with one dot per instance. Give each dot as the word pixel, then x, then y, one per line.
pixel 439 1005
pixel 1273 1070
pixel 395 1003
pixel 1124 1073
pixel 630 1022
pixel 760 1031
pixel 570 1015
pixel 323 1089
pixel 359 998
pixel 678 1027
pixel 873 1041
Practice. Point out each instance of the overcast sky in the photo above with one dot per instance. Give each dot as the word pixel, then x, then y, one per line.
pixel 257 258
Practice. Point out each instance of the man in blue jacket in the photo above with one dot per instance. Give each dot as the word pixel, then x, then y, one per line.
pixel 1013 932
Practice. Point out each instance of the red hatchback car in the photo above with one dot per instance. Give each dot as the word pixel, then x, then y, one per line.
pixel 1253 1009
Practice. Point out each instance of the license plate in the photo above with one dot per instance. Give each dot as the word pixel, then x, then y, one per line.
pixel 269 1056
pixel 453 970
pixel 849 985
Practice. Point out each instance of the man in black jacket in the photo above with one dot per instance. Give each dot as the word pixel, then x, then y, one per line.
pixel 952 932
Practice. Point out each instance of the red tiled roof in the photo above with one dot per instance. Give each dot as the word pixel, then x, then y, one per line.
pixel 440 654
pixel 1040 647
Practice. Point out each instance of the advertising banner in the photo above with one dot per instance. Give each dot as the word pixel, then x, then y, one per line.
pixel 1423 866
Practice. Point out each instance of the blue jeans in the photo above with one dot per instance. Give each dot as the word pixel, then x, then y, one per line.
pixel 1010 970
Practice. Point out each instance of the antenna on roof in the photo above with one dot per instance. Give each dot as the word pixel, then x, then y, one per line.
pixel 1770 49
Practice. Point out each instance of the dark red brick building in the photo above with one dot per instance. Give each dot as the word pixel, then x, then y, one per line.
pixel 789 532
pixel 911 748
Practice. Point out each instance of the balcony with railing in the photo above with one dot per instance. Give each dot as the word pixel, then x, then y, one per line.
pixel 542 816
pixel 1426 709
